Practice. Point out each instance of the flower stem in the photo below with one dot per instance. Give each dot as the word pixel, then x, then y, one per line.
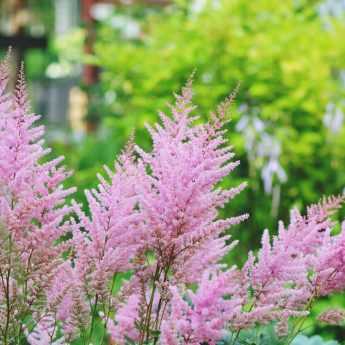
pixel 93 318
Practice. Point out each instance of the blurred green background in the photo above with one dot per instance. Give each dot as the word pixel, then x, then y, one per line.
pixel 99 70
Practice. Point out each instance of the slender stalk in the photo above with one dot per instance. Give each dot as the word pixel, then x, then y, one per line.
pixel 149 311
pixel 93 318
pixel 163 312
pixel 108 311
pixel 7 292
pixel 24 311
pixel 145 333
pixel 249 310
pixel 158 320
pixel 160 299
pixel 94 312
pixel 299 324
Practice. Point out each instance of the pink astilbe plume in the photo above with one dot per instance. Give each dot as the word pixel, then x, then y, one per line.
pixel 110 237
pixel 124 326
pixel 203 317
pixel 32 211
pixel 330 267
pixel 285 277
pixel 68 302
pixel 106 242
pixel 332 316
pixel 179 199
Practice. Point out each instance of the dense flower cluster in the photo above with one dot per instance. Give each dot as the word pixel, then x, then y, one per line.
pixel 32 211
pixel 154 219
pixel 286 277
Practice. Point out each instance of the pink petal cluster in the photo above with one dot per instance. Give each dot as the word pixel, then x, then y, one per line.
pixel 106 242
pixel 123 327
pixel 330 268
pixel 44 333
pixel 203 316
pixel 332 316
pixel 180 198
pixel 32 211
pixel 67 300
pixel 285 276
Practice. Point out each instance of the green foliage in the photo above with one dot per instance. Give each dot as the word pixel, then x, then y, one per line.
pixel 86 158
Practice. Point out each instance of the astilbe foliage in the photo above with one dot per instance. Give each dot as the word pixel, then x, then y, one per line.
pixel 32 211
pixel 156 219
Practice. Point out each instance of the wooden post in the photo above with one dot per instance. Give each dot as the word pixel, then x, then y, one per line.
pixel 90 73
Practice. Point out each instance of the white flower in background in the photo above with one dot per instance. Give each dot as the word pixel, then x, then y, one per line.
pixel 197 6
pixel 251 126
pixel 269 171
pixel 342 77
pixel 263 150
pixel 333 118
pixel 330 9
pixel 269 149
pixel 102 11
pixel 268 146
pixel 333 8
pixel 128 27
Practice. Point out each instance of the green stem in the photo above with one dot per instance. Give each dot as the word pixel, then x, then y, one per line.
pixel 7 292
pixel 108 311
pixel 299 324
pixel 256 297
pixel 93 318
pixel 145 334
pixel 160 299
pixel 158 319
pixel 296 330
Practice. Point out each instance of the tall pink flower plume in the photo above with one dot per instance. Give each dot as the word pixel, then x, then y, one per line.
pixel 32 211
pixel 106 242
pixel 179 200
pixel 68 302
pixel 285 277
pixel 330 266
